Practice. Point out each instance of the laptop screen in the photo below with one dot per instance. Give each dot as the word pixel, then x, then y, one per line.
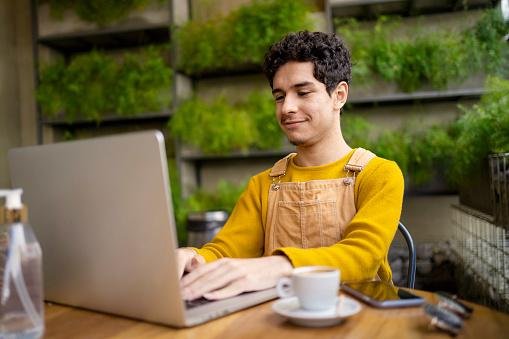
pixel 102 213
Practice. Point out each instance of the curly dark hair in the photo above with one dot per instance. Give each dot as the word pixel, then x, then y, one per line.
pixel 327 52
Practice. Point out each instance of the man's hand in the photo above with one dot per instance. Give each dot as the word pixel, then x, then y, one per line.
pixel 188 260
pixel 228 277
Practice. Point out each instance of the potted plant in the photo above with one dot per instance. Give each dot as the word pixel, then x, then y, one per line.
pixel 482 130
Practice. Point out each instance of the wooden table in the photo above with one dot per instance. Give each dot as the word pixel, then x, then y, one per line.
pixel 261 322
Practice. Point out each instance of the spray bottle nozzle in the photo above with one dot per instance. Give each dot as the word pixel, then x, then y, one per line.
pixel 12 198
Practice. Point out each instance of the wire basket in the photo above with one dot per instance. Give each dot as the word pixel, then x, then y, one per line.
pixel 483 252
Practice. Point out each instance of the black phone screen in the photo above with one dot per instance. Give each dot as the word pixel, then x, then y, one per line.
pixel 382 294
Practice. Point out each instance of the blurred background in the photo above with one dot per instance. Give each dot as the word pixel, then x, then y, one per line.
pixel 430 90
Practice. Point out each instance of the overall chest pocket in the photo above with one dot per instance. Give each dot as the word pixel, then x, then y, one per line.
pixel 307 224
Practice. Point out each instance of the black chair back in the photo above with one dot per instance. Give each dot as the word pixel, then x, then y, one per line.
pixel 411 255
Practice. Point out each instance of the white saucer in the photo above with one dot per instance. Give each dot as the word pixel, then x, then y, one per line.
pixel 289 308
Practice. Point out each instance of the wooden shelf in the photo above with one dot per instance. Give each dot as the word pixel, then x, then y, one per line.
pixel 427 96
pixel 197 156
pixel 374 8
pixel 248 69
pixel 109 120
pixel 107 38
pixel 367 8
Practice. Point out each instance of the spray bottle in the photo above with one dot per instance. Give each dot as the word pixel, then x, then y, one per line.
pixel 21 299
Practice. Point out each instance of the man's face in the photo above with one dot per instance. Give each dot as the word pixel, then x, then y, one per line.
pixel 305 111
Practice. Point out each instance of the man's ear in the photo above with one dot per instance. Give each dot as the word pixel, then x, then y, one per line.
pixel 340 95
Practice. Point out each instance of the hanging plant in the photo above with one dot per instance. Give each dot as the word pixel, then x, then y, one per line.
pixel 142 83
pixel 220 128
pixel 239 39
pixel 213 128
pixel 82 90
pixel 436 58
pixel 95 84
pixel 260 108
pixel 487 45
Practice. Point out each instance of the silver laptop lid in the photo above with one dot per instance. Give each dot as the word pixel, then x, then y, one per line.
pixel 103 215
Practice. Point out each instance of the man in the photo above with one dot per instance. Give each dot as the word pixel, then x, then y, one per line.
pixel 328 204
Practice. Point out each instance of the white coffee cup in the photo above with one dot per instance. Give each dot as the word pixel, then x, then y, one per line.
pixel 316 287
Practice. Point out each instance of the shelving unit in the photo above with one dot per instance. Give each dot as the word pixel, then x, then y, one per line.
pixel 107 38
pixel 152 26
pixel 71 36
pixel 421 96
pixel 107 121
pixel 383 97
pixel 196 156
pixel 242 71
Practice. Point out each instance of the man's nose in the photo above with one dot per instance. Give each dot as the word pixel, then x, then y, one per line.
pixel 289 105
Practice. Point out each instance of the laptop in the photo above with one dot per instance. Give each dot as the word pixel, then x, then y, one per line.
pixel 102 212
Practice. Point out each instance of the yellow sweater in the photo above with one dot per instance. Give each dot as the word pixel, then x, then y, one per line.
pixel 360 255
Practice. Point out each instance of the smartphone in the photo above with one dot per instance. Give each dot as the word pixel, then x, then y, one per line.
pixel 381 294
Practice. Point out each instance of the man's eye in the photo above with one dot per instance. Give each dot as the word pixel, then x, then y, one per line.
pixel 279 98
pixel 303 93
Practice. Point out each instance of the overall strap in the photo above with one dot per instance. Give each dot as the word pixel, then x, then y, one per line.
pixel 279 168
pixel 359 160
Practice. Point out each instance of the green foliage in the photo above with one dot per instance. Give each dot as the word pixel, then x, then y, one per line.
pixel 178 204
pixel 214 128
pixel 224 198
pixel 418 152
pixel 482 130
pixel 457 148
pixel 260 108
pixel 485 42
pixel 241 38
pixel 139 83
pixel 433 59
pixel 356 131
pixel 220 128
pixel 82 88
pixel 49 91
pixel 437 58
pixel 428 150
pixel 359 43
pixel 94 84
pixel 101 12
pixel 394 145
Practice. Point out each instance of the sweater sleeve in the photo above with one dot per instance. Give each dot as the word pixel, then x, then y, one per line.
pixel 366 241
pixel 242 234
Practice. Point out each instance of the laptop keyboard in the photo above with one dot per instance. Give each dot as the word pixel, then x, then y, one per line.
pixel 197 302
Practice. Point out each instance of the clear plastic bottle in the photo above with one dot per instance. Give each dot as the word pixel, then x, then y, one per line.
pixel 21 293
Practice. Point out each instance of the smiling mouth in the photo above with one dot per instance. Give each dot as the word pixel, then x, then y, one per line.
pixel 292 122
